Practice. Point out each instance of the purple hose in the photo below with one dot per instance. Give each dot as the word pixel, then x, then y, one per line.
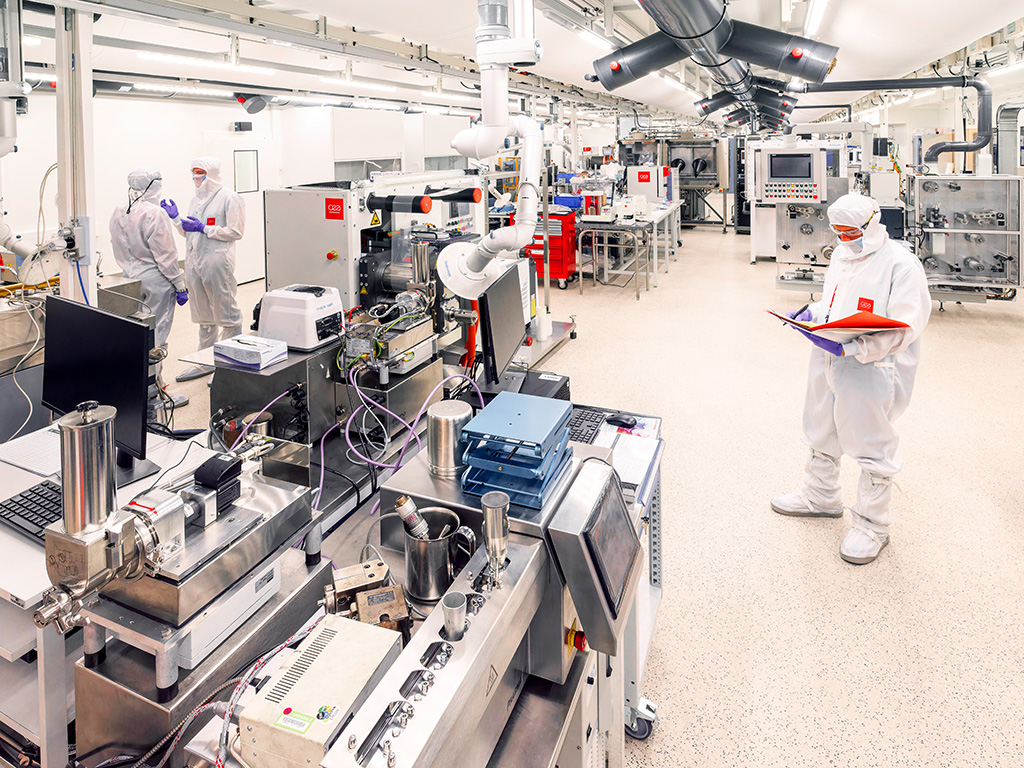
pixel 256 418
pixel 320 488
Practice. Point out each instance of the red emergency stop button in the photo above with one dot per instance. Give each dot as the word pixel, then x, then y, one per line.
pixel 796 53
pixel 332 255
pixel 615 66
pixel 579 641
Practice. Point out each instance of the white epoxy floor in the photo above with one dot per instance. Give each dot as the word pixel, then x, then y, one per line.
pixel 770 650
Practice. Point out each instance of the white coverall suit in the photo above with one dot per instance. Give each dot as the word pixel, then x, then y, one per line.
pixel 210 256
pixel 142 239
pixel 852 400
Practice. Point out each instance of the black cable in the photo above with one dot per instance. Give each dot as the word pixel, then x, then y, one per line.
pixel 342 475
pixel 175 466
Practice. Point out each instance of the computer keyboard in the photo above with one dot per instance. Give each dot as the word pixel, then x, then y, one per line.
pixel 585 423
pixel 30 511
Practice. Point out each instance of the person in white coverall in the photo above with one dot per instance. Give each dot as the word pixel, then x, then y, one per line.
pixel 143 243
pixel 216 220
pixel 856 390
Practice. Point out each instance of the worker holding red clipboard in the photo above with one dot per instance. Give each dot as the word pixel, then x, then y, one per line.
pixel 866 331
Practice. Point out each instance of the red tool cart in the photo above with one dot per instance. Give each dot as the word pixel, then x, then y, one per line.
pixel 561 247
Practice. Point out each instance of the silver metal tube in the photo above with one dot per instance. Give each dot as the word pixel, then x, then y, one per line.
pixel 420 263
pixel 87 466
pixel 494 505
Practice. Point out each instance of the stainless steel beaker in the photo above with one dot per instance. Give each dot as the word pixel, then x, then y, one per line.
pixel 431 564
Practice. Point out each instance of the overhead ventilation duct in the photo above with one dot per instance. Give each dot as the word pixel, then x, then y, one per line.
pixel 703 30
pixel 984 90
pixel 762 97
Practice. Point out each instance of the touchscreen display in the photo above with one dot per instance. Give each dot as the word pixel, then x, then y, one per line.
pixel 789 166
pixel 614 546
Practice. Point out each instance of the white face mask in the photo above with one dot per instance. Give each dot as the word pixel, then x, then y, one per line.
pixel 198 179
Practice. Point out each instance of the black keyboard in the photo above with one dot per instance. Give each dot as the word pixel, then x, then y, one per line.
pixel 30 511
pixel 585 423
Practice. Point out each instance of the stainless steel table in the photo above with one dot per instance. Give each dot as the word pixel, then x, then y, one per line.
pixel 639 235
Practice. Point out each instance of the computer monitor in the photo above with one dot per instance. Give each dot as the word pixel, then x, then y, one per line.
pixel 95 355
pixel 789 167
pixel 502 331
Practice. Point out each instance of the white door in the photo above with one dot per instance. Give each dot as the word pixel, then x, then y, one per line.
pixel 246 166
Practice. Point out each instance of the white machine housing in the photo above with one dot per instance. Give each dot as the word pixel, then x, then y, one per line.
pixel 655 182
pixel 303 316
pixel 314 232
pixel 301 710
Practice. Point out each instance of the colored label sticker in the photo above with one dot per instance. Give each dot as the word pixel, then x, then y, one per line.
pixel 294 721
pixel 211 222
pixel 643 176
pixel 865 305
pixel 375 219
pixel 334 208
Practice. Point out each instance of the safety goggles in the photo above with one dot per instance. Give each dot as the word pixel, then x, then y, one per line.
pixel 851 233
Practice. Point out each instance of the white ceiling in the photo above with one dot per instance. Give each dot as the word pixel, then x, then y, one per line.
pixel 876 38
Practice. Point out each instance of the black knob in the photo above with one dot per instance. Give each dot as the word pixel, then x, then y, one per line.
pixel 88 405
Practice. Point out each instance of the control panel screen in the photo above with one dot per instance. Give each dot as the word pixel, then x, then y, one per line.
pixel 790 167
pixel 614 546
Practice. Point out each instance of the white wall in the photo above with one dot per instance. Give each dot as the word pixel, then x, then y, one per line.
pixel 127 134
pixel 296 145
pixel 307 145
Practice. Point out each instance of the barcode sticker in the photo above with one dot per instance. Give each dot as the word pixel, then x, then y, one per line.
pixel 294 721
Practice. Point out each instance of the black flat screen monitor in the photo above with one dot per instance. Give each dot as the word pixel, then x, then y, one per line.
pixel 790 167
pixel 502 328
pixel 95 355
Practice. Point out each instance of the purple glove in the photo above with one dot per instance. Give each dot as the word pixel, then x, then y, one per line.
pixel 181 297
pixel 803 316
pixel 832 347
pixel 192 224
pixel 170 208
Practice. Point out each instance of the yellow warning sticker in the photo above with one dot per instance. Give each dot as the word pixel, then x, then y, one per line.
pixel 375 219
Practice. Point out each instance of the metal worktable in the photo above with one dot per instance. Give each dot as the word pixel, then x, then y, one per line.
pixel 639 233
pixel 670 216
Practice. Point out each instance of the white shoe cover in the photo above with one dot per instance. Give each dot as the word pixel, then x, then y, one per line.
pixel 862 545
pixel 797 504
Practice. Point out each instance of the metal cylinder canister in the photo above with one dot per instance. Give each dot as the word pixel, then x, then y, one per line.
pixel 87 466
pixel 494 505
pixel 445 446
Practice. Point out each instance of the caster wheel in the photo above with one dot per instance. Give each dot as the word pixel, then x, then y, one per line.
pixel 642 731
pixel 563 284
pixel 572 334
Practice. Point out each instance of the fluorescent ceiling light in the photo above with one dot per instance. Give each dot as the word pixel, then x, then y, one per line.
pixel 459 96
pixel 596 40
pixel 925 94
pixel 359 84
pixel 185 89
pixel 1003 70
pixel 369 104
pixel 316 101
pixel 29 40
pixel 815 13
pixel 171 58
pixel 902 100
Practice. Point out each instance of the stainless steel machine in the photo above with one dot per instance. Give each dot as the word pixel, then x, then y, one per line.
pixel 791 186
pixel 175 589
pixel 968 235
pixel 700 171
pixel 569 577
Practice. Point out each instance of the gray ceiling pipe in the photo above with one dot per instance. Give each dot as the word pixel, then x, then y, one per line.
pixel 703 29
pixel 636 60
pixel 762 97
pixel 780 51
pixel 1007 117
pixel 984 90
pixel 766 98
pixel 715 102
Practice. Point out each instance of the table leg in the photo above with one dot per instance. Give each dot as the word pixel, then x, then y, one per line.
pixel 53 698
pixel 656 254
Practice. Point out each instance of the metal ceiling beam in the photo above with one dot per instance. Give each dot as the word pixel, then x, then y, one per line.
pixel 262 23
